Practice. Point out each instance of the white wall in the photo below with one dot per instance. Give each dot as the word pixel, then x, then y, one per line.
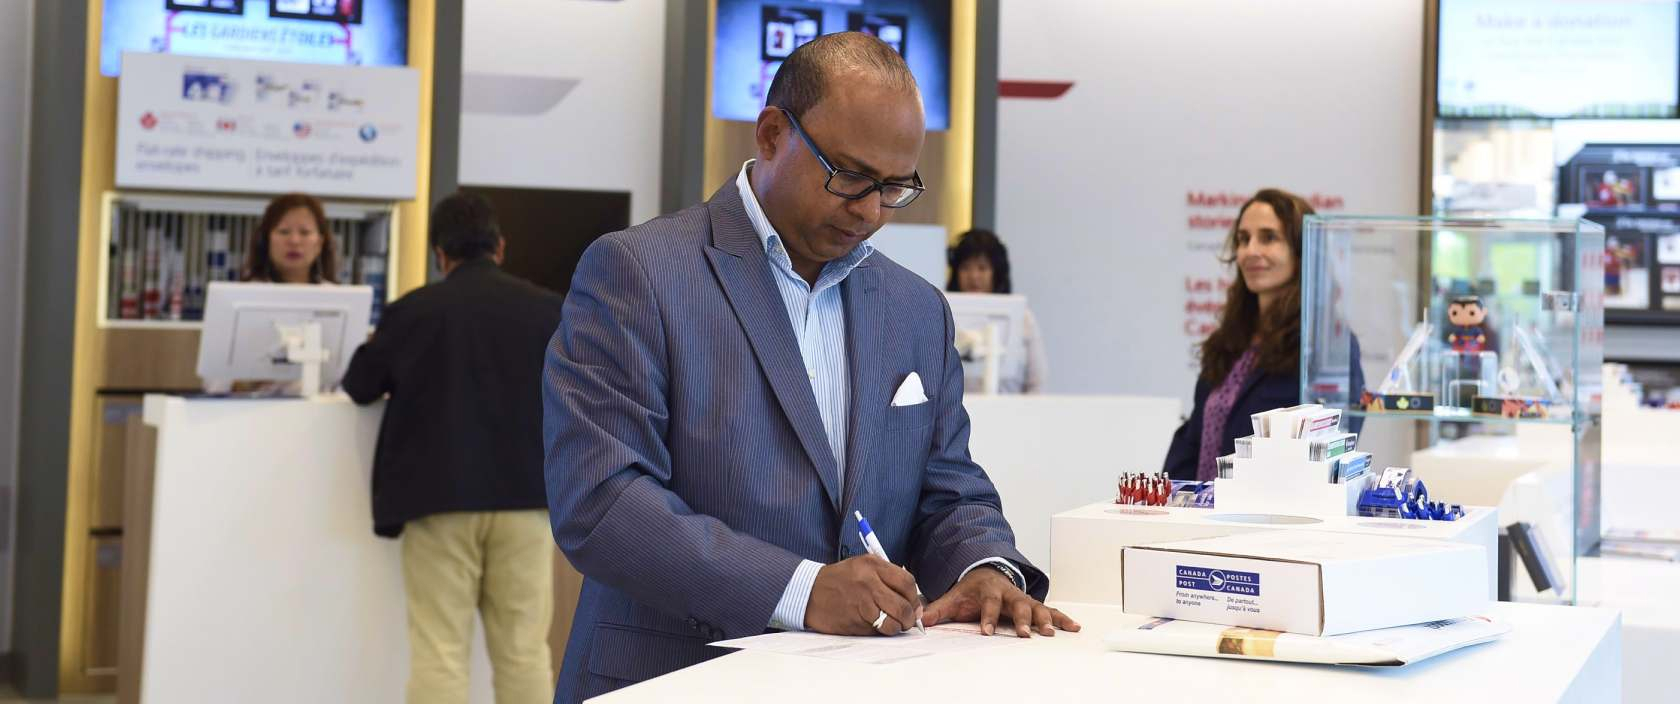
pixel 1171 97
pixel 14 112
pixel 564 94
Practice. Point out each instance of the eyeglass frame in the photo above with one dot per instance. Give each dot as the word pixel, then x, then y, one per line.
pixel 876 186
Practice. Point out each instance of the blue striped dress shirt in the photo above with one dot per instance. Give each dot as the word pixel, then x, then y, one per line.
pixel 818 316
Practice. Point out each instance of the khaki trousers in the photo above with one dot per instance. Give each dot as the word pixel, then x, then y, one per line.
pixel 499 564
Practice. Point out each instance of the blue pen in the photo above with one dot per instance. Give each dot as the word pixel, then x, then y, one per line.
pixel 873 545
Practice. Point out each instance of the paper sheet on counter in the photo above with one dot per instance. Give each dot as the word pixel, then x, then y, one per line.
pixel 876 650
pixel 1385 647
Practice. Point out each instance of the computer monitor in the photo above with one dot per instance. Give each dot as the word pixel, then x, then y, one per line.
pixel 243 325
pixel 977 316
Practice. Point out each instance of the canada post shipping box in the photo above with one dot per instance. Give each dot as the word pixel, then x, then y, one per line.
pixel 1305 582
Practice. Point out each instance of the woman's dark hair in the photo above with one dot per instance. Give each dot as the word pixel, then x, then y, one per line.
pixel 980 243
pixel 259 265
pixel 464 226
pixel 1278 332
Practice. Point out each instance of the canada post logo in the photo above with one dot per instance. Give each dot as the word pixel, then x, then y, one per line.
pixel 1222 581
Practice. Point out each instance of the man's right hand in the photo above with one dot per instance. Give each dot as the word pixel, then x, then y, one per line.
pixel 849 595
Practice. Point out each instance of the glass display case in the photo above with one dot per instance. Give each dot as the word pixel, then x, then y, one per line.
pixel 1475 328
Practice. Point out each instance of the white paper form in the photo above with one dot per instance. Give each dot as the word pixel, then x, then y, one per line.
pixel 876 650
pixel 1385 647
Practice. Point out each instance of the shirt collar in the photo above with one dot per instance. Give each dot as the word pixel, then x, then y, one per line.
pixel 836 270
pixel 474 264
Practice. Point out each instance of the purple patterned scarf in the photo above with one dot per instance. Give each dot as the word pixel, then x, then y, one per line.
pixel 1216 412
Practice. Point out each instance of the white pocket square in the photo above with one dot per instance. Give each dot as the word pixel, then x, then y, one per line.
pixel 910 392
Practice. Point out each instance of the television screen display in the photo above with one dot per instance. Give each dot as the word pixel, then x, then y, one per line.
pixel 340 11
pixel 1558 59
pixel 755 36
pixel 226 7
pixel 347 32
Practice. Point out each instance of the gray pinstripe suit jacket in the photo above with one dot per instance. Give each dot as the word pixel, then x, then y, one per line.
pixel 686 464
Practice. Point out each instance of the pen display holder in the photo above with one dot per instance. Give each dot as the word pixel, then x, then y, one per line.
pixel 1466 375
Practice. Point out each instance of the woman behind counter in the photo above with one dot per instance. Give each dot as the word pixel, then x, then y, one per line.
pixel 293 244
pixel 1252 361
pixel 980 264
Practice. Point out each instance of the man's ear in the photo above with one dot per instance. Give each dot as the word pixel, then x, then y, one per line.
pixel 769 132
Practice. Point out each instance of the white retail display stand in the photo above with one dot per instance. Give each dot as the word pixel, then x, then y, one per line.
pixel 1643 591
pixel 1086 542
pixel 1552 654
pixel 1640 496
pixel 1641 477
pixel 267 583
pixel 1047 454
pixel 1260 492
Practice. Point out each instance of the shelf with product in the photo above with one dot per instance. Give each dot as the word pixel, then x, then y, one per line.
pixel 162 251
pixel 1468 327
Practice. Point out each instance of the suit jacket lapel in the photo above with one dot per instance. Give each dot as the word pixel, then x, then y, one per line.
pixel 865 321
pixel 737 257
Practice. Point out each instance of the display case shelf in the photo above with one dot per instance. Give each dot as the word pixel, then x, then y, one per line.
pixel 1447 415
pixel 1488 324
pixel 163 250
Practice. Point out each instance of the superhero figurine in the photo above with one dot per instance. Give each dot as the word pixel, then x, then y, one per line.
pixel 1612 191
pixel 1466 330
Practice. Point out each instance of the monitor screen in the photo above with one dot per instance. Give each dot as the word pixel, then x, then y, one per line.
pixel 242 336
pixel 987 320
pixel 339 11
pixel 1558 59
pixel 346 32
pixel 547 230
pixel 227 7
pixel 754 36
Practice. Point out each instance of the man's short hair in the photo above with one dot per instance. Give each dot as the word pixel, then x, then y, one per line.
pixel 802 81
pixel 464 226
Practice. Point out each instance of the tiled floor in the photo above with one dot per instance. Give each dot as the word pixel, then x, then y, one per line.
pixel 8 695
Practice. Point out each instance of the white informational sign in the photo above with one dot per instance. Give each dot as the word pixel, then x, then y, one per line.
pixel 1516 58
pixel 209 124
pixel 1117 185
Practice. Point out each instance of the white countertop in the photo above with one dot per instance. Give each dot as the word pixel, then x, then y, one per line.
pixel 1552 653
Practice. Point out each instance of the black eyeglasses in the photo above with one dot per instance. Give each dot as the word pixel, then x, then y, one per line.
pixel 852 185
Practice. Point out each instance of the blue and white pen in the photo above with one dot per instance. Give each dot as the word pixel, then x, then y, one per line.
pixel 873 545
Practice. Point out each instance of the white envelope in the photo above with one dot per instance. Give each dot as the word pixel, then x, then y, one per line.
pixel 910 392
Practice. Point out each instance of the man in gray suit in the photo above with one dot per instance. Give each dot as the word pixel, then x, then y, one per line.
pixel 733 384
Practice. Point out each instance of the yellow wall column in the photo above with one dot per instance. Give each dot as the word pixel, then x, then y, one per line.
pixel 98 178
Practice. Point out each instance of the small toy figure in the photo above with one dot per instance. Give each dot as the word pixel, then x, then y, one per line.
pixel 1618 258
pixel 1466 325
pixel 1611 191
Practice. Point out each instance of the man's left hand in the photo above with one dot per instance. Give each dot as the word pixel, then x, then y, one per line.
pixel 984 595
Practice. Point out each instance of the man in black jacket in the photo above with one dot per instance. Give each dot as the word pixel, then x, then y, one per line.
pixel 459 466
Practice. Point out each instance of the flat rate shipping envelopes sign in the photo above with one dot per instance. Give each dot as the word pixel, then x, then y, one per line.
pixel 210 124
